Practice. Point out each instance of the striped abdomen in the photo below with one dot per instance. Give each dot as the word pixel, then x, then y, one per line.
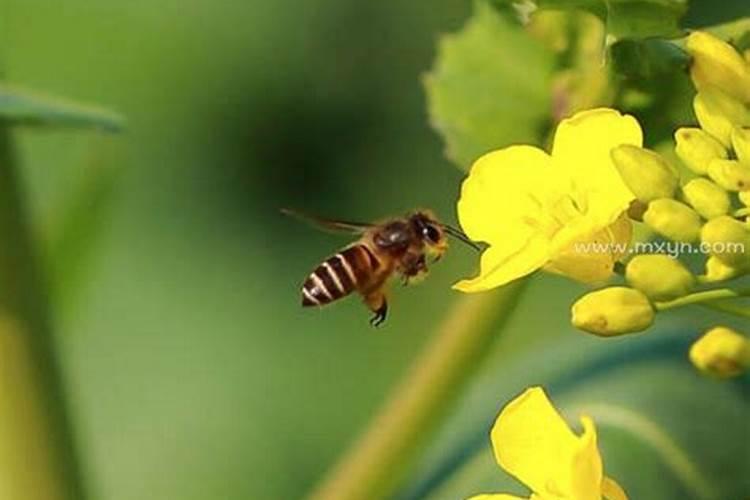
pixel 351 269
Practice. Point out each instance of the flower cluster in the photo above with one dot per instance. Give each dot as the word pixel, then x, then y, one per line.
pixel 537 210
pixel 711 209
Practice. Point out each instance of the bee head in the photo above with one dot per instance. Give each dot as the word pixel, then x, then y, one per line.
pixel 430 230
pixel 433 232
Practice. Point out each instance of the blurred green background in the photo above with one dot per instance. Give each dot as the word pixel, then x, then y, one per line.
pixel 191 370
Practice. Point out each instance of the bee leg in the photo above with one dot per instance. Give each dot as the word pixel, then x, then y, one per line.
pixel 377 304
pixel 413 265
pixel 379 316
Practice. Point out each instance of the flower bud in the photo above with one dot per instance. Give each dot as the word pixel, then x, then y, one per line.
pixel 696 148
pixel 741 144
pixel 716 270
pixel 721 352
pixel 673 220
pixel 660 277
pixel 719 113
pixel 730 174
pixel 645 172
pixel 717 63
pixel 613 311
pixel 708 199
pixel 728 240
pixel 745 198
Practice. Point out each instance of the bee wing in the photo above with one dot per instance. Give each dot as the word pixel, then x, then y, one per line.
pixel 337 226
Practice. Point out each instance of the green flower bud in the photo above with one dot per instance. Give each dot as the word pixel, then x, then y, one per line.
pixel 745 198
pixel 660 277
pixel 721 352
pixel 673 220
pixel 728 240
pixel 730 174
pixel 613 311
pixel 718 114
pixel 708 199
pixel 741 144
pixel 716 270
pixel 645 172
pixel 696 148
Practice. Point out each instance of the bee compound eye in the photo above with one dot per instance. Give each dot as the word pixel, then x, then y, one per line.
pixel 431 233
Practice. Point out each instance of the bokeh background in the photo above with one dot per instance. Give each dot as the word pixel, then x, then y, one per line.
pixel 191 370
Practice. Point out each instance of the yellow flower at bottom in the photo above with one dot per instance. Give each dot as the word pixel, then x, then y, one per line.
pixel 533 443
pixel 561 211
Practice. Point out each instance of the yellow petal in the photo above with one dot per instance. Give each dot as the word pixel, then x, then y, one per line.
pixel 611 490
pixel 503 202
pixel 502 263
pixel 586 465
pixel 587 255
pixel 499 194
pixel 532 442
pixel 582 148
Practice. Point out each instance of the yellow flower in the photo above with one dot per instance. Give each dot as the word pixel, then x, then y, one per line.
pixel 539 210
pixel 533 443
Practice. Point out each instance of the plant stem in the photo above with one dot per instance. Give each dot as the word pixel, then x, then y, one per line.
pixel 704 297
pixel 734 309
pixel 37 461
pixel 380 458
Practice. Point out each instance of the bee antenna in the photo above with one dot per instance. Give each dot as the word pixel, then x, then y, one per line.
pixel 459 235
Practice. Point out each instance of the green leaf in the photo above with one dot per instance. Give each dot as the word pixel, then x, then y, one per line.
pixel 735 32
pixel 623 18
pixel 647 59
pixel 703 13
pixel 489 87
pixel 644 18
pixel 21 106
pixel 79 223
pixel 665 431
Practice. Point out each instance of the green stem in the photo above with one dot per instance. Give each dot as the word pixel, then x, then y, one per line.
pixel 703 298
pixel 379 459
pixel 734 309
pixel 37 461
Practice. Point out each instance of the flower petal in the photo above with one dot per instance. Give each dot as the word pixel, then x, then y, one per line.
pixel 501 192
pixel 586 466
pixel 532 442
pixel 582 148
pixel 502 263
pixel 590 258
pixel 611 490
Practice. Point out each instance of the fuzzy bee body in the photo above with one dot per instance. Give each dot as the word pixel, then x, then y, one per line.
pixel 355 268
pixel 398 245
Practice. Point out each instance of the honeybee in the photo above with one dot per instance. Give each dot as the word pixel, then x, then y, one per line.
pixel 394 246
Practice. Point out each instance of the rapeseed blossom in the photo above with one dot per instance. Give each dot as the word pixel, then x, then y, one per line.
pixel 532 442
pixel 533 208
